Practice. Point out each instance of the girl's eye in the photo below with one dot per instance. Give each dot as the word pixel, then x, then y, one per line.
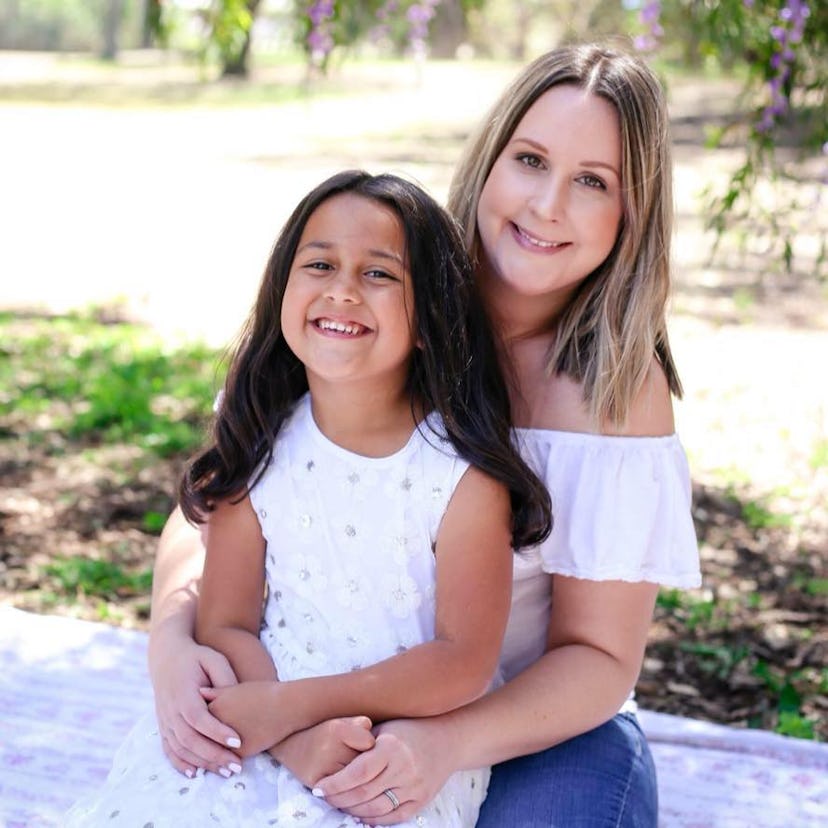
pixel 593 181
pixel 378 275
pixel 530 160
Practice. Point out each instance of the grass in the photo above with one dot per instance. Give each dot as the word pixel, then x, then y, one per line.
pixel 104 383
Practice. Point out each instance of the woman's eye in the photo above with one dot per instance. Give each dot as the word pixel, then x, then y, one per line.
pixel 593 181
pixel 318 266
pixel 529 160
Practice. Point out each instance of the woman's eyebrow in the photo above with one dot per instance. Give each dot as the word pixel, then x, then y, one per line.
pixel 600 164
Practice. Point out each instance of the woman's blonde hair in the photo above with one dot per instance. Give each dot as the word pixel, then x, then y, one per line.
pixel 615 323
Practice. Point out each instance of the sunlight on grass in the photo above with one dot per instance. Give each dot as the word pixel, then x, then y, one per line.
pixel 105 383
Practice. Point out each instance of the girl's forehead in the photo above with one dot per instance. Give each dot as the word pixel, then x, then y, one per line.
pixel 356 222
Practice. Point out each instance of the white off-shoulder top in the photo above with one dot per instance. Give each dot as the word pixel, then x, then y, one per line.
pixel 621 508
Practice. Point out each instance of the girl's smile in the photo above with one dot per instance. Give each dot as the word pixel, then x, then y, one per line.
pixel 335 327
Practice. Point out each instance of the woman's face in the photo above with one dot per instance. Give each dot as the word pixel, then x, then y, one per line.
pixel 550 210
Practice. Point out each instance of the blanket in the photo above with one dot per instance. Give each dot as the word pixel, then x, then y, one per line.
pixel 70 690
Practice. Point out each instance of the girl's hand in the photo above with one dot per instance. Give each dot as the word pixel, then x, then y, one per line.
pixel 191 736
pixel 411 756
pixel 253 710
pixel 324 749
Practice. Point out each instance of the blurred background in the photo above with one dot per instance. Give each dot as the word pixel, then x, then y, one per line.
pixel 150 151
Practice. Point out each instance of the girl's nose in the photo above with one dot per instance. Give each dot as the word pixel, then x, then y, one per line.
pixel 343 286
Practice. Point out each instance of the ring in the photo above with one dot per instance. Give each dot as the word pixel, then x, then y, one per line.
pixel 395 803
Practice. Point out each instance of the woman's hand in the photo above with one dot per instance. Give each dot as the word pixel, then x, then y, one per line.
pixel 411 757
pixel 192 737
pixel 324 749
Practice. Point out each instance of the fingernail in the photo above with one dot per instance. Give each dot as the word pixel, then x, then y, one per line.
pixel 318 792
pixel 235 767
pixel 234 742
pixel 224 772
pixel 188 773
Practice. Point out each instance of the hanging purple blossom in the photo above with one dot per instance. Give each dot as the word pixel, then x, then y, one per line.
pixel 419 16
pixel 320 40
pixel 649 17
pixel 787 32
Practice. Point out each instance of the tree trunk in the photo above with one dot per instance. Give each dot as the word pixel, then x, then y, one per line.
pixel 237 66
pixel 113 14
pixel 448 29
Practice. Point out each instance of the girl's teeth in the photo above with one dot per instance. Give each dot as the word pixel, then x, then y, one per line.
pixel 339 327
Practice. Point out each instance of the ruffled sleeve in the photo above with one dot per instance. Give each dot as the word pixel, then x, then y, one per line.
pixel 621 507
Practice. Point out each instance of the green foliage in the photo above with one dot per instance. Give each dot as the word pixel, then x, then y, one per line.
pixel 102 578
pixel 153 522
pixel 768 202
pixel 106 383
pixel 717 660
pixel 789 698
pixel 228 24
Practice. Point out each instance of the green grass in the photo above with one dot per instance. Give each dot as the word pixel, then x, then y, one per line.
pixel 99 383
pixel 100 578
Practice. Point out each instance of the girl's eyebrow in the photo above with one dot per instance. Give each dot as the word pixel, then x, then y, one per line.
pixel 543 149
pixel 380 254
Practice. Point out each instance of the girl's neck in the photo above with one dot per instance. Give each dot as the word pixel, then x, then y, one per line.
pixel 373 422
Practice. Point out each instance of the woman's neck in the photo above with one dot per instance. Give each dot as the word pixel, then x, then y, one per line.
pixel 517 316
pixel 371 422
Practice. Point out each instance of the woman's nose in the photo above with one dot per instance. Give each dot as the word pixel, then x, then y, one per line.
pixel 549 199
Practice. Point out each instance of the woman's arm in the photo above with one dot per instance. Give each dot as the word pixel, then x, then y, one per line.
pixel 473 563
pixel 590 667
pixel 595 644
pixel 191 736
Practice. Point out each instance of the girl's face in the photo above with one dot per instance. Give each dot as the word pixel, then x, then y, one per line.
pixel 347 311
pixel 550 210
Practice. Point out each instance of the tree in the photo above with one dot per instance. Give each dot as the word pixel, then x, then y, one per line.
pixel 782 47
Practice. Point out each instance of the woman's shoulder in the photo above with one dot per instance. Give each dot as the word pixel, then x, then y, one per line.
pixel 564 408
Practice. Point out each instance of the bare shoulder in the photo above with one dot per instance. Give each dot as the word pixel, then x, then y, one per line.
pixel 561 407
pixel 477 491
pixel 651 413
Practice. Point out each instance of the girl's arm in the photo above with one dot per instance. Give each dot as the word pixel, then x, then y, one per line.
pixel 595 645
pixel 191 736
pixel 587 672
pixel 473 561
pixel 229 610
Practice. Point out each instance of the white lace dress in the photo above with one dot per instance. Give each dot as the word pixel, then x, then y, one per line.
pixel 350 574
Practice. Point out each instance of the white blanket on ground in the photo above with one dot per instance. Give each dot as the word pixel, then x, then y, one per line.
pixel 70 690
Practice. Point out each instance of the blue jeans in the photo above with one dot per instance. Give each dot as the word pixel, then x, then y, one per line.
pixel 603 778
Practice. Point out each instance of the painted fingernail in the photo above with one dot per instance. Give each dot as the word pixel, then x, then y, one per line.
pixel 318 792
pixel 188 773
pixel 234 742
pixel 225 773
pixel 235 767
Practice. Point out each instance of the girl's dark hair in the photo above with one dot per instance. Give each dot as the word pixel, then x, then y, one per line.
pixel 454 371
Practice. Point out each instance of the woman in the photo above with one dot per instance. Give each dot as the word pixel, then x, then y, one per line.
pixel 565 198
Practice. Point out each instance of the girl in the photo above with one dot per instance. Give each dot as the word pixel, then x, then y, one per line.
pixel 566 202
pixel 362 474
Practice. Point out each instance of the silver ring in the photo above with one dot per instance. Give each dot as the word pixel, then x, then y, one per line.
pixel 395 803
